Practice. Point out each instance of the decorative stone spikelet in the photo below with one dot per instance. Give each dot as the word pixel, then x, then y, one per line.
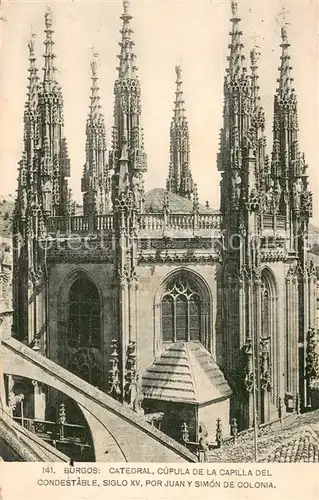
pixel 131 367
pixel 127 159
pixel 234 428
pixel 312 356
pixel 179 179
pixel 298 404
pixel 114 381
pixel 195 199
pixel 265 368
pixel 219 433
pixel 185 433
pixel 62 414
pixel 248 376
pixel 95 184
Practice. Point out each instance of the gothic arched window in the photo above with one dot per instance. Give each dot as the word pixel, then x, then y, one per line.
pixel 84 314
pixel 181 311
pixel 269 330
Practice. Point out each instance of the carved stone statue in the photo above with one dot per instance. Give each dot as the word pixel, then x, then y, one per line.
pixel 236 182
pixel 136 396
pixel 277 195
pixel 6 272
pixel 297 191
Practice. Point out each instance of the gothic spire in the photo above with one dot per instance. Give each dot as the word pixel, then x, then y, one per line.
pixel 49 56
pixel 26 166
pixel 95 181
pixel 179 110
pixel 33 78
pixel 55 164
pixel 257 133
pixel 257 110
pixel 127 130
pixel 236 58
pixel 288 168
pixel 180 179
pixel 285 81
pixel 95 114
pixel 236 117
pixel 255 97
pixel 127 68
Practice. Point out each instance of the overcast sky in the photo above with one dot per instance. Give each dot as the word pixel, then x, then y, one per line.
pixel 195 33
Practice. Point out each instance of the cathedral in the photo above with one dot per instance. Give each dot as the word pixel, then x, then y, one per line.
pixel 174 309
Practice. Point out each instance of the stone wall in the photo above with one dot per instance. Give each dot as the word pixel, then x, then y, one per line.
pixel 60 281
pixel 151 281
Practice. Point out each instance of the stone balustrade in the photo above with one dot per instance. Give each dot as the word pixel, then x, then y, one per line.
pixel 84 225
pixel 80 224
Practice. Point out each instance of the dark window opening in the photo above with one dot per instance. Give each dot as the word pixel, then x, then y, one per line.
pixel 181 312
pixel 84 314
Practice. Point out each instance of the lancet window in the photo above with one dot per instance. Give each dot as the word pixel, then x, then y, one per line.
pixel 84 314
pixel 181 311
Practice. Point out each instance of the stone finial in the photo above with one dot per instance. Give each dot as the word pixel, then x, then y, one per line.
pixel 234 7
pixel 126 5
pixel 48 18
pixel 178 71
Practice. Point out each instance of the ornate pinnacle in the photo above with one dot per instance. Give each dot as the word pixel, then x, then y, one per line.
pixel 179 178
pixel 127 157
pixel 95 181
pixel 49 56
pixel 126 5
pixel 254 56
pixel 33 77
pixel 179 101
pixel 48 18
pixel 234 8
pixel 95 98
pixel 284 35
pixel 178 71
pixel 94 66
pixel 236 58
pixel 127 68
pixel 285 79
pixel 31 47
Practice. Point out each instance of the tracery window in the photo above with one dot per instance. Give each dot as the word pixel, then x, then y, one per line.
pixel 85 365
pixel 84 314
pixel 181 311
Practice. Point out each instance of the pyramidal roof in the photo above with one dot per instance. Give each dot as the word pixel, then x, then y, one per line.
pixel 185 373
pixel 154 201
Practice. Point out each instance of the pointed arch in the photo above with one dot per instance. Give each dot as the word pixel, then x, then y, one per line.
pixel 80 327
pixel 269 327
pixel 183 310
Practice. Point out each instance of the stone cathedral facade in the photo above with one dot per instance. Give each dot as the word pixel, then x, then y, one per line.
pixel 165 304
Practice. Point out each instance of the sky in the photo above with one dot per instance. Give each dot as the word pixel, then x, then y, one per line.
pixel 167 32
